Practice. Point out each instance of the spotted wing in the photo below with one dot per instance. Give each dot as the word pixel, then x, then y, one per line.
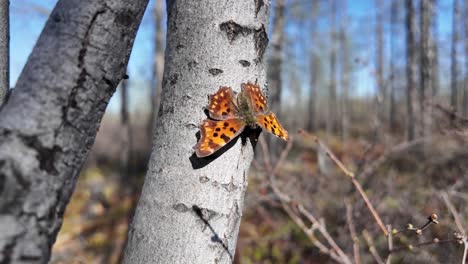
pixel 221 105
pixel 216 134
pixel 271 124
pixel 254 93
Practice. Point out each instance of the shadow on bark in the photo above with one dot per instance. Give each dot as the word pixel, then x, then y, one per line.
pixel 215 238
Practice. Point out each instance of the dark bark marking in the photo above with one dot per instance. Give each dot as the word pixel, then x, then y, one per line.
pixel 85 42
pixel 232 30
pixel 202 179
pixel 258 6
pixel 244 63
pixel 261 42
pixel 45 156
pixel 124 18
pixel 215 71
pixel 181 208
pixel 192 64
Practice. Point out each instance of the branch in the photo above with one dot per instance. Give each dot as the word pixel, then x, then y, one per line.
pixel 352 231
pixel 356 184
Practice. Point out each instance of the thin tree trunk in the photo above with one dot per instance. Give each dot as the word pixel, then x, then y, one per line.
pixel 393 37
pixel 411 68
pixel 465 84
pixel 275 67
pixel 381 93
pixel 50 122
pixel 158 65
pixel 427 58
pixel 190 208
pixel 126 141
pixel 332 104
pixel 435 47
pixel 4 49
pixel 345 66
pixel 314 76
pixel 453 57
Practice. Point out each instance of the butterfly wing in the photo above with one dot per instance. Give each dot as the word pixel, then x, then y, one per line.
pixel 271 124
pixel 258 102
pixel 221 104
pixel 216 134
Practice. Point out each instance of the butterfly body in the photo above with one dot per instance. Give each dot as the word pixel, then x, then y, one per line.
pixel 229 116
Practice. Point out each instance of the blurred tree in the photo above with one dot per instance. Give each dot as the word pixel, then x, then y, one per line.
pixel 4 49
pixel 426 68
pixel 158 65
pixel 315 69
pixel 332 102
pixel 275 65
pixel 435 47
pixel 50 122
pixel 190 208
pixel 453 58
pixel 411 68
pixel 125 141
pixel 379 64
pixel 465 83
pixel 346 70
pixel 394 10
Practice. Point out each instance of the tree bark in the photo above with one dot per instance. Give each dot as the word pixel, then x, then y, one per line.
pixel 50 121
pixel 331 118
pixel 158 65
pixel 4 49
pixel 427 58
pixel 411 68
pixel 453 58
pixel 190 208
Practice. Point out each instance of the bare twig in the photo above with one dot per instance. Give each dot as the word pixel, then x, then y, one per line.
pixel 335 252
pixel 456 216
pixel 356 184
pixel 422 244
pixel 352 231
pixel 390 244
pixel 458 222
pixel 372 249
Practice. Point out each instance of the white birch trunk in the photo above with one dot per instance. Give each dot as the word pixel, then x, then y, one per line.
pixel 190 208
pixel 50 121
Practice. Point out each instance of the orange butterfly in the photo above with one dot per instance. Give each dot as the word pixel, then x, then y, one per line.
pixel 229 117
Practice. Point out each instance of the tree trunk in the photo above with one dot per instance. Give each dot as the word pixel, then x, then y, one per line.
pixel 274 69
pixel 381 93
pixel 190 208
pixel 125 141
pixel 393 37
pixel 465 84
pixel 435 48
pixel 158 65
pixel 51 119
pixel 331 118
pixel 411 68
pixel 314 75
pixel 4 49
pixel 345 66
pixel 453 57
pixel 427 58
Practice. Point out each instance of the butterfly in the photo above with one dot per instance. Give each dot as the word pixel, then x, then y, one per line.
pixel 229 115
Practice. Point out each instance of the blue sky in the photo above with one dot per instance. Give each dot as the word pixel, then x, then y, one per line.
pixel 28 18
